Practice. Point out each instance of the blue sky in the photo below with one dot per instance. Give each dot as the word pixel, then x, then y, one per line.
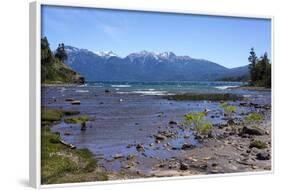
pixel 224 40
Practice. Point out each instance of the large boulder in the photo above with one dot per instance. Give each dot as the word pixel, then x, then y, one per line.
pixel 252 130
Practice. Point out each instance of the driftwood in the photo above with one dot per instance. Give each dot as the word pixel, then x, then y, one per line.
pixel 71 146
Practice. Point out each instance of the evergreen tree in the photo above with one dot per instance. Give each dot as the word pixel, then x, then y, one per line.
pixel 60 53
pixel 252 66
pixel 260 70
pixel 46 53
pixel 264 61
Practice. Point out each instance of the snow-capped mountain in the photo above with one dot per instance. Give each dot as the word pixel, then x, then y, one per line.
pixel 106 54
pixel 145 66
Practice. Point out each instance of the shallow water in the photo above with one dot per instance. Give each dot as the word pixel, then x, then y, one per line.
pixel 133 118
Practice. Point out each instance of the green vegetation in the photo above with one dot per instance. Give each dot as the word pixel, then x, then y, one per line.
pixel 198 122
pixel 258 144
pixel 209 96
pixel 53 70
pixel 260 70
pixel 59 163
pixel 228 109
pixel 78 119
pixel 60 53
pixel 253 118
pixel 50 115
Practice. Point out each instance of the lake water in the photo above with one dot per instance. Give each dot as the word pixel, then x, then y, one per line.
pixel 132 112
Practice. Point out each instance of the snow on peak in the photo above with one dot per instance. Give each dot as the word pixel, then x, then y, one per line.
pixel 106 54
pixel 166 55
pixel 70 49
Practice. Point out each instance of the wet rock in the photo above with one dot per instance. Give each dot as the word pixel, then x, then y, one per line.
pixel 117 156
pixel 243 104
pixel 214 164
pixel 172 122
pixel 206 111
pixel 140 147
pixel 130 157
pixel 67 133
pixel 186 146
pixel 83 126
pixel 252 130
pixel 183 166
pixel 186 136
pixel 151 144
pixel 76 102
pixel 245 136
pixel 157 141
pixel 231 122
pixel 144 154
pixel 69 99
pixel 160 137
pixel 263 156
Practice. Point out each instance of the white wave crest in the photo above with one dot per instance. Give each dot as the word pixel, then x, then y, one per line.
pixel 224 87
pixel 121 86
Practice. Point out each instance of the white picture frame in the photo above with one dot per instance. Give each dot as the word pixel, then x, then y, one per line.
pixel 35 91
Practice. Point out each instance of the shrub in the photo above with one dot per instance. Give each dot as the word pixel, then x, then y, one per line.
pixel 258 144
pixel 253 118
pixel 198 122
pixel 78 119
pixel 228 109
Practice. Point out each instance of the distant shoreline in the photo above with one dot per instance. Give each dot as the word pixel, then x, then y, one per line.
pixel 251 88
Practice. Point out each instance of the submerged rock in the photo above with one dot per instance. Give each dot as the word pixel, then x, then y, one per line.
pixel 75 102
pixel 160 137
pixel 172 122
pixel 186 146
pixel 140 147
pixel 83 126
pixel 117 156
pixel 69 99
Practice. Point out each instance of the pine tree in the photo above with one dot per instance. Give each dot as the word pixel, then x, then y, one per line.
pixel 60 53
pixel 252 66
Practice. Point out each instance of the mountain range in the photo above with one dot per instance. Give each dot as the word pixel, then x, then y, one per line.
pixel 148 66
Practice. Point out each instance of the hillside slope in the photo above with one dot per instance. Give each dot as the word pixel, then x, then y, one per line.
pixel 54 71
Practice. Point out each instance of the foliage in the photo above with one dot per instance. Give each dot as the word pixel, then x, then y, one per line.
pixel 253 118
pixel 78 119
pixel 260 70
pixel 51 115
pixel 209 96
pixel 60 53
pixel 228 109
pixel 53 70
pixel 198 122
pixel 61 165
pixel 258 144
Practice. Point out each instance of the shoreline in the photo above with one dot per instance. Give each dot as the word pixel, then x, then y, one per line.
pixel 191 161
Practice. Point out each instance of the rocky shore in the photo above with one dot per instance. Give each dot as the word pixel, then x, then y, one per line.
pixel 150 139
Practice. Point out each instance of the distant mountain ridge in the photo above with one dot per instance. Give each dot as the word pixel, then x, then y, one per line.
pixel 146 66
